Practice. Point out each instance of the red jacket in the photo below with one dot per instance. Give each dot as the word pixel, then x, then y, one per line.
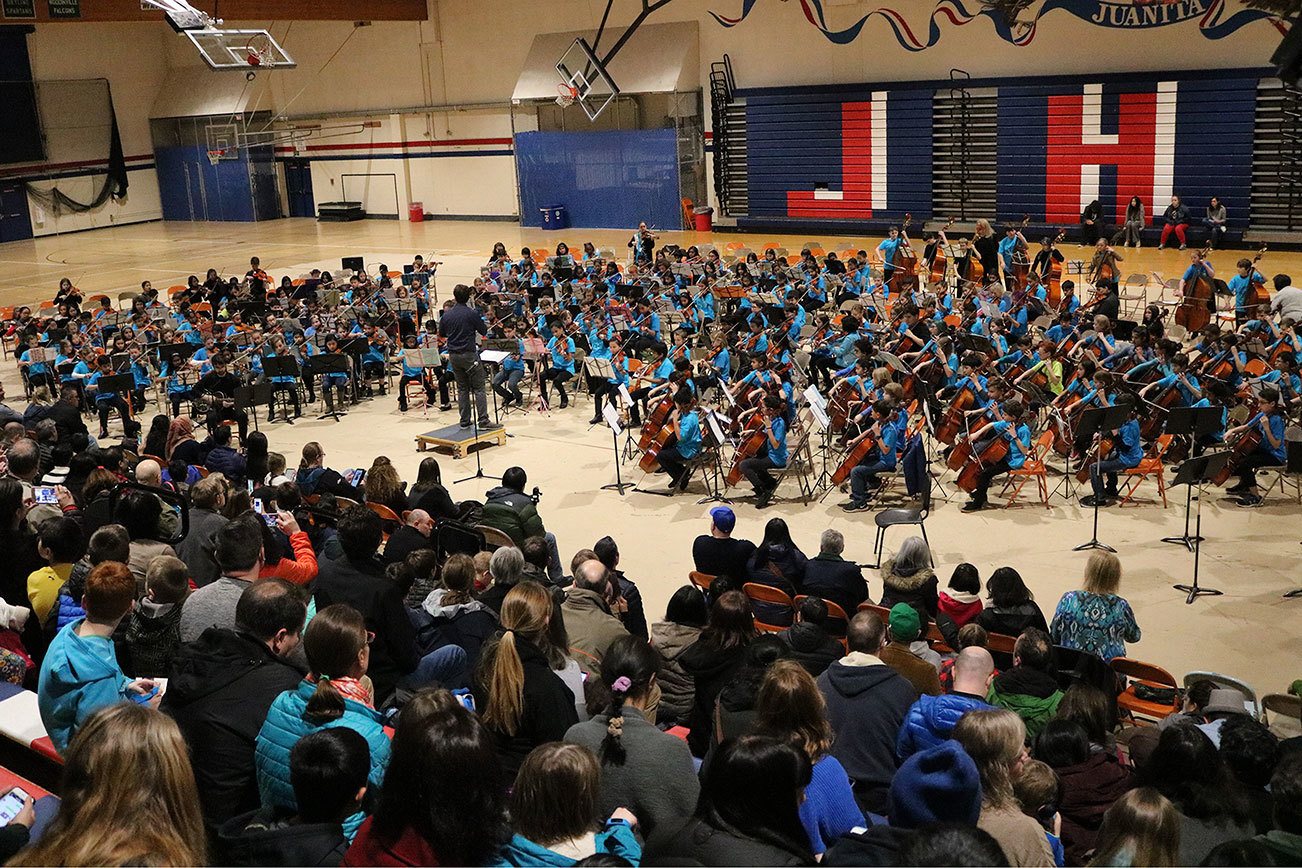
pixel 960 610
pixel 299 570
pixel 369 849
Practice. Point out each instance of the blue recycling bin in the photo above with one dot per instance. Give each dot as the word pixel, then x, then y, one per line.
pixel 554 217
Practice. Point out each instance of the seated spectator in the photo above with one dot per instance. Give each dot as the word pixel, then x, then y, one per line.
pixel 223 458
pixel 909 578
pixel 554 812
pixel 221 686
pixel 239 556
pixel 382 485
pixel 867 702
pixel 314 478
pixel 961 599
pixel 718 554
pixel 455 616
pixel 1012 607
pixel 506 567
pixel 898 653
pixel 109 543
pixel 1094 619
pixel 181 445
pixel 1193 708
pixel 332 694
pixel 643 769
pixel 778 562
pixel 931 720
pixel 812 646
pixel 96 495
pixel 1039 791
pixel 995 740
pixel 1141 828
pixel 536 559
pixel 1251 753
pixel 791 707
pixel 149 472
pixel 969 636
pixel 713 660
pixel 419 572
pixel 631 613
pixel 939 785
pixel 80 672
pixel 96 824
pixel 153 629
pixel 515 513
pixel 521 700
pixel 1187 770
pixel 685 616
pixel 1091 782
pixel 139 511
pixel 748 812
pixel 1094 709
pixel 416 533
pixel 444 799
pixel 1285 840
pixel 1029 688
pixel 287 551
pixel 586 613
pixel 429 493
pixel 59 543
pixel 734 712
pixel 328 770
pixel 357 579
pixel 952 844
pixel 832 577
pixel 199 546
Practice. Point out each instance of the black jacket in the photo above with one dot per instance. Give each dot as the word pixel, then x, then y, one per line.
pixel 874 846
pixel 363 586
pixel 784 568
pixel 812 647
pixel 67 419
pixel 548 709
pixel 1012 621
pixel 711 669
pixel 699 843
pixel 220 688
pixel 468 626
pixel 723 557
pixel 866 706
pixel 403 542
pixel 436 501
pixel 267 837
pixel 836 579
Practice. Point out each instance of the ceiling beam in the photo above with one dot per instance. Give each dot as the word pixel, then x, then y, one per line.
pixel 238 10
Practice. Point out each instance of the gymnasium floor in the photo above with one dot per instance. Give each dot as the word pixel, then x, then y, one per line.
pixel 1251 555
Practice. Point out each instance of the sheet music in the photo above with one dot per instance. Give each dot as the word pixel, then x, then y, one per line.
pixel 820 415
pixel 624 396
pixel 815 398
pixel 494 357
pixel 716 429
pixel 611 415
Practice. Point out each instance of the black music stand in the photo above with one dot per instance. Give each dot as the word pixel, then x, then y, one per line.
pixel 251 397
pixel 1191 422
pixel 280 366
pixel 184 349
pixel 355 346
pixel 328 363
pixel 1199 471
pixel 974 343
pixel 611 416
pixel 1092 422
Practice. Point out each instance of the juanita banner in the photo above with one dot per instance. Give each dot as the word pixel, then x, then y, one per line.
pixel 1215 21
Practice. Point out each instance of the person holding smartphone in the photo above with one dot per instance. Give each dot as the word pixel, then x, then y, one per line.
pixel 18 813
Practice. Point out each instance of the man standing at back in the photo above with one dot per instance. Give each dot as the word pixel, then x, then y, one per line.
pixel 866 705
pixel 460 325
pixel 221 686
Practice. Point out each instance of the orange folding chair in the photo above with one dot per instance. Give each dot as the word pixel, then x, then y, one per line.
pixel 1149 467
pixel 838 620
pixel 774 610
pixel 1139 672
pixel 701 580
pixel 880 611
pixel 1033 469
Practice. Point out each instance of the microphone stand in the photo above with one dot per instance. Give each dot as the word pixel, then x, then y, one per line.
pixel 474 422
pixel 1100 419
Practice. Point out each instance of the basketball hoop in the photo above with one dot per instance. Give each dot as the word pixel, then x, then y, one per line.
pixel 260 51
pixel 566 95
pixel 215 157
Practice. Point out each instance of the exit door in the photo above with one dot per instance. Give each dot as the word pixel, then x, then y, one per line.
pixel 298 188
pixel 15 222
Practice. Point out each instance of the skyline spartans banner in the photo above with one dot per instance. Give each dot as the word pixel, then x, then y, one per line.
pixel 1214 21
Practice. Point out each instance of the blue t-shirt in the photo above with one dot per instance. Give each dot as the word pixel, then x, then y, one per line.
pixel 1188 396
pixel 1242 288
pixel 1275 422
pixel 888 249
pixel 1019 442
pixel 778 454
pixel 558 360
pixel 689 436
pixel 1128 445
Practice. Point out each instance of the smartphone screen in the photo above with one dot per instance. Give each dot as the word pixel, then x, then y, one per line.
pixel 257 504
pixel 44 494
pixel 10 804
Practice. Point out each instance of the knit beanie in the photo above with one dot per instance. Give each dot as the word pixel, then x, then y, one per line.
pixel 937 785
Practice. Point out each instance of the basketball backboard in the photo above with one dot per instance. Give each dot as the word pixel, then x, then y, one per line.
pixel 582 70
pixel 240 49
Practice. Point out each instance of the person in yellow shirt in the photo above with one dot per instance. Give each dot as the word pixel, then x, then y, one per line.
pixel 60 543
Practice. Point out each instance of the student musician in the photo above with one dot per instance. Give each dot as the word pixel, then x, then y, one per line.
pixel 1011 427
pixel 864 481
pixel 1126 453
pixel 412 372
pixel 1271 452
pixel 283 385
pixel 686 444
pixel 506 382
pixel 889 251
pixel 219 385
pixel 1104 271
pixel 1045 257
pixel 561 367
pixel 108 401
pixel 1243 285
pixel 659 369
pixel 773 457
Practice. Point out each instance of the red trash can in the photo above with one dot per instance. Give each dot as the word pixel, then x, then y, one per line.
pixel 703 218
pixel 416 212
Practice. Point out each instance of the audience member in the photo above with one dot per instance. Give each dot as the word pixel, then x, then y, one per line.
pixel 909 578
pixel 1285 840
pixel 905 628
pixel 60 544
pixel 643 769
pixel 199 547
pixel 109 543
pixel 736 707
pixel 931 720
pixel 718 554
pixel 221 686
pixel 1142 828
pixel 429 494
pixel 1091 782
pixel 1251 753
pixel 506 566
pixel 969 636
pixel 314 477
pixel 1094 619
pixel 867 702
pixel 713 660
pixel 632 613
pixel 777 561
pixel 832 577
pixel 223 458
pixel 515 513
pixel 953 846
pixel 961 599
pixel 587 617
pixel 812 646
pixel 153 629
pixel 685 617
pixel 455 616
pixel 1029 688
pixel 1038 791
pixel 139 511
pixel 416 533
pixel 1012 607
pixel 239 556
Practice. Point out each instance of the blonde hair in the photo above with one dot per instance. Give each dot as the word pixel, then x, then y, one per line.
pixel 1143 827
pixel 983 228
pixel 382 482
pixel 994 740
pixel 1103 573
pixel 792 708
pixel 129 796
pixel 526 611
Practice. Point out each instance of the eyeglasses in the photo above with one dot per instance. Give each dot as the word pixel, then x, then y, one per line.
pixel 370 638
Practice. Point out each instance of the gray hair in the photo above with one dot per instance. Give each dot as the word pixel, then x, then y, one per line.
pixel 912 556
pixel 506 565
pixel 832 542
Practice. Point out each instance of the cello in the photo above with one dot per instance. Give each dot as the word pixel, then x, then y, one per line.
pixel 1199 302
pixel 1244 445
pixel 904 278
pixel 951 423
pixel 857 453
pixel 754 438
pixel 992 451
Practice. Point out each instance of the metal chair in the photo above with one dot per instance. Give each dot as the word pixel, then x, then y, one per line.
pixel 1251 704
pixel 914 516
pixel 1149 467
pixel 493 538
pixel 1033 468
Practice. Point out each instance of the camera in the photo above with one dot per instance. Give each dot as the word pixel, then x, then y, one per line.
pixel 536 494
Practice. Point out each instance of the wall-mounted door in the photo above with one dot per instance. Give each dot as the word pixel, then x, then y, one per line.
pixel 298 187
pixel 15 221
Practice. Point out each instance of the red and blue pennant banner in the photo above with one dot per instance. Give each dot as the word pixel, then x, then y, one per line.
pixel 1215 21
pixel 1061 146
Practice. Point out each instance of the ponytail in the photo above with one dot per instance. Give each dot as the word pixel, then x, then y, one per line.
pixel 326 703
pixel 505 687
pixel 612 746
pixel 311 452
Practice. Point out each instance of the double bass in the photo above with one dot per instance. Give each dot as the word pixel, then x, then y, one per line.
pixel 1199 302
pixel 1258 295
pixel 904 278
pixel 939 261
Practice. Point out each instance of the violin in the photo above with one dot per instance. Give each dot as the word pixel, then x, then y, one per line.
pixel 1199 302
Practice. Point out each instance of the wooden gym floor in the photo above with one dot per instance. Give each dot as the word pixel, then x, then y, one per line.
pixel 1252 555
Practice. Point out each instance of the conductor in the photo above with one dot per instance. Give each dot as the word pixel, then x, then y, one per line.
pixel 460 327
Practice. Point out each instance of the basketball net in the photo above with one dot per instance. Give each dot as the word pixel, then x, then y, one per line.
pixel 258 52
pixel 566 95
pixel 214 157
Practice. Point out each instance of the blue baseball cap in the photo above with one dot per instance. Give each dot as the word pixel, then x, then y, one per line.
pixel 724 518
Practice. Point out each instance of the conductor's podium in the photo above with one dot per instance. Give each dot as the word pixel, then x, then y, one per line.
pixel 459 441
